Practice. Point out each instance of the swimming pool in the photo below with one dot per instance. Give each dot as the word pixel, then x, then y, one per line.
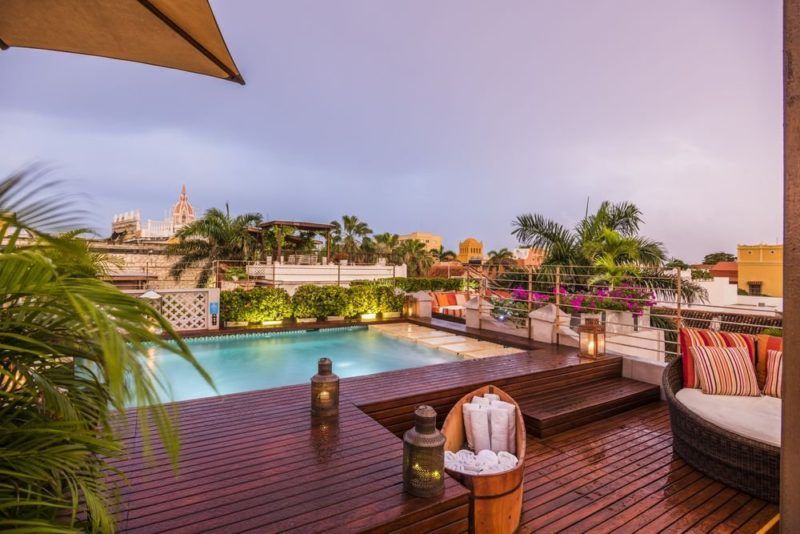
pixel 259 361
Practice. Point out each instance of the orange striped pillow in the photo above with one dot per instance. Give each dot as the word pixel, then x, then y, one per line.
pixel 774 373
pixel 696 337
pixel 726 371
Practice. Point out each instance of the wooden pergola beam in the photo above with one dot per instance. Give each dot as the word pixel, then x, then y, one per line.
pixel 790 440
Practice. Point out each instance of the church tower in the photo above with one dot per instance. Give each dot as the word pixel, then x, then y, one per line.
pixel 182 212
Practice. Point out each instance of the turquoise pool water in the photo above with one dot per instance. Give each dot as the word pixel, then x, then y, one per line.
pixel 260 361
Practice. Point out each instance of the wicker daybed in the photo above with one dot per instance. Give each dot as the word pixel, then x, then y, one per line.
pixel 740 462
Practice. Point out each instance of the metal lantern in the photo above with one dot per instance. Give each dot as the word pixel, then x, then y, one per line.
pixel 325 390
pixel 592 338
pixel 423 455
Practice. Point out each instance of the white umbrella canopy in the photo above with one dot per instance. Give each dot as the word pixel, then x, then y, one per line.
pixel 179 34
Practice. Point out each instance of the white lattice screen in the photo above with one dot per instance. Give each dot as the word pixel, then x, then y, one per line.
pixel 186 310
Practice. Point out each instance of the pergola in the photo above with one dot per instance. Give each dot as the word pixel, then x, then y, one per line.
pixel 317 228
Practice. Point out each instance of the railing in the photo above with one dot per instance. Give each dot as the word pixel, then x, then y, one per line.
pixel 641 312
pixel 232 274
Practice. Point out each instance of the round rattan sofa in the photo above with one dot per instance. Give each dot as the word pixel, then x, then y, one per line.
pixel 739 462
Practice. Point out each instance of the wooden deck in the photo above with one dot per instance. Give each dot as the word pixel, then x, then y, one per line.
pixel 257 461
pixel 621 475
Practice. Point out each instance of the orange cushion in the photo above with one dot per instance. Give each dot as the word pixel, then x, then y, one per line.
pixel 441 299
pixel 765 344
pixel 774 373
pixel 451 299
pixel 726 371
pixel 692 337
pixel 434 302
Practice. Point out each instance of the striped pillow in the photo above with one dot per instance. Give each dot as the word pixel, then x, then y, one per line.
pixel 765 344
pixel 695 337
pixel 726 371
pixel 774 373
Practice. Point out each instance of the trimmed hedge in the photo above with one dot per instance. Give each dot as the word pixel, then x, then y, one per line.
pixel 274 304
pixel 256 305
pixel 319 301
pixel 410 285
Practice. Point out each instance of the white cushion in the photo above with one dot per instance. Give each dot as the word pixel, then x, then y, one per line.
pixel 757 418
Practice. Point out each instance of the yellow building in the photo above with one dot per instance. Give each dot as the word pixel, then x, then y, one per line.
pixel 470 249
pixel 432 241
pixel 761 269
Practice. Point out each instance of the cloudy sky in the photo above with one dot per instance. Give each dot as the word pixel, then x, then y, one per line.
pixel 450 116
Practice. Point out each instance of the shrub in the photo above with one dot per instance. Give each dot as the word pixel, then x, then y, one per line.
pixel 319 301
pixel 362 298
pixel 390 300
pixel 256 305
pixel 410 285
pixel 231 305
pixel 701 274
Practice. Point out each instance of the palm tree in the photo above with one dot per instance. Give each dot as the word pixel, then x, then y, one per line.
pixel 498 259
pixel 386 244
pixel 73 358
pixel 441 254
pixel 580 247
pixel 349 233
pixel 416 256
pixel 215 237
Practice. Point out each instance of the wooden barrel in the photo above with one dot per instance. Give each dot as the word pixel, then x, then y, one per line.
pixel 496 498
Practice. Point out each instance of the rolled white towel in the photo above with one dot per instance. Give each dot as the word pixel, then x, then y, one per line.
pixel 498 421
pixel 507 459
pixel 487 457
pixel 467 470
pixel 479 422
pixel 467 410
pixel 511 440
pixel 464 456
pixel 496 468
pixel 480 400
pixel 450 458
pixel 491 396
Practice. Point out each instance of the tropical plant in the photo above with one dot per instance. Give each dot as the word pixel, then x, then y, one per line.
pixel 215 237
pixel 502 258
pixel 386 244
pixel 73 358
pixel 441 254
pixel 590 238
pixel 416 256
pixel 319 302
pixel 349 233
pixel 716 257
pixel 675 263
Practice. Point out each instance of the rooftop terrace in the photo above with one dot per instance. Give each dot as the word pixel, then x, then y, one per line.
pixel 258 461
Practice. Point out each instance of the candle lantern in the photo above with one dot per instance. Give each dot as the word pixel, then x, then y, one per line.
pixel 592 338
pixel 325 390
pixel 423 455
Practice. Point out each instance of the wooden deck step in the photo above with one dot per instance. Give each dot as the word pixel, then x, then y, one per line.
pixel 564 408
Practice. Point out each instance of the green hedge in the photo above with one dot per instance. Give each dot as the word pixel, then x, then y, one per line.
pixel 319 301
pixel 255 305
pixel 410 285
pixel 273 304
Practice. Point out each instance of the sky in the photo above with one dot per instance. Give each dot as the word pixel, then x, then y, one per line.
pixel 448 116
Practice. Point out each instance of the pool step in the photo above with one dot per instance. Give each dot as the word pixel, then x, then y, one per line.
pixel 558 410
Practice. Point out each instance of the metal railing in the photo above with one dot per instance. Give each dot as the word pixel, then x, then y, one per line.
pixel 642 312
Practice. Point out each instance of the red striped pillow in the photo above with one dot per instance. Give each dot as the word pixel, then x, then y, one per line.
pixel 726 371
pixel 774 373
pixel 695 337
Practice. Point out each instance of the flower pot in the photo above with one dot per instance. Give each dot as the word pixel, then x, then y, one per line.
pixel 271 323
pixel 334 318
pixel 368 316
pixel 235 324
pixel 391 315
pixel 306 319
